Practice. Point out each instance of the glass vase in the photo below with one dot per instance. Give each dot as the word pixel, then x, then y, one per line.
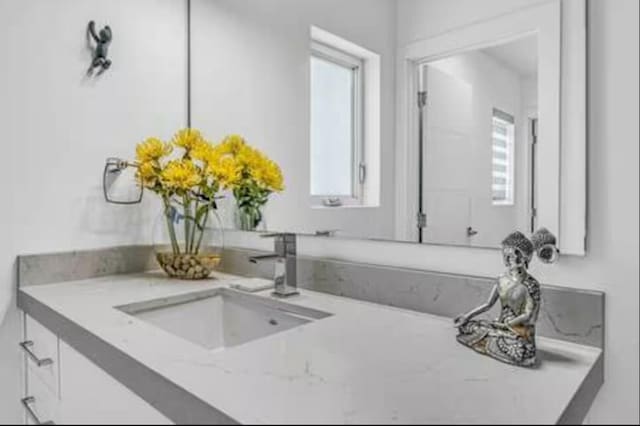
pixel 249 218
pixel 188 239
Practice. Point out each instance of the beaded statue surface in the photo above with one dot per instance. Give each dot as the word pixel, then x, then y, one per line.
pixel 511 338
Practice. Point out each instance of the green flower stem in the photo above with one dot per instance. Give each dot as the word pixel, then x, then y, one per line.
pixel 172 232
pixel 204 224
pixel 187 224
pixel 194 229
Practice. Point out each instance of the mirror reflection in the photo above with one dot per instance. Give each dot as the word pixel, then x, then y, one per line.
pixel 317 86
pixel 479 132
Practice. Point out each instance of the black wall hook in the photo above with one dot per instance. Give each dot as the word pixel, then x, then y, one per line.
pixel 101 50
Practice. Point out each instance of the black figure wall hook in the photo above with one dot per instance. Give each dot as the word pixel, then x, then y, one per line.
pixel 101 50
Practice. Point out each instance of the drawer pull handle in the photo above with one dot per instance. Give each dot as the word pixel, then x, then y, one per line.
pixel 26 346
pixel 27 402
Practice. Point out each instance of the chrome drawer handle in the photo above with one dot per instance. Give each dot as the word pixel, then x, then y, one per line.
pixel 26 346
pixel 27 402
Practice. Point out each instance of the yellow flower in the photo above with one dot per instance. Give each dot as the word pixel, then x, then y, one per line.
pixel 180 175
pixel 233 163
pixel 226 171
pixel 262 170
pixel 188 139
pixel 148 174
pixel 232 144
pixel 202 151
pixel 273 178
pixel 152 149
pixel 248 157
pixel 267 175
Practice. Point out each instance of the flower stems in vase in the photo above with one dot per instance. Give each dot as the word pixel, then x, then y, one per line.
pixel 169 213
pixel 188 173
pixel 204 225
pixel 255 178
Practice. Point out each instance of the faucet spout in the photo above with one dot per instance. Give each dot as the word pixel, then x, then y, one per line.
pixel 285 273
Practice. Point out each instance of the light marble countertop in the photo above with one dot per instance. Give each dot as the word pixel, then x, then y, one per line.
pixel 366 363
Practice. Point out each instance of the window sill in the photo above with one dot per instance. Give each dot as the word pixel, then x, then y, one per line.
pixel 353 206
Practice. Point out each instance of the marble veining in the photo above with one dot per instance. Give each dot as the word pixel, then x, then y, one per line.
pixel 366 363
pixel 48 268
pixel 568 314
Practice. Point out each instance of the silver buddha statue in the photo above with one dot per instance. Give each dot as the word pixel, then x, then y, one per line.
pixel 512 337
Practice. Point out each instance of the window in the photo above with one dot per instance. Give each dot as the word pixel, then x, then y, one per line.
pixel 337 170
pixel 503 158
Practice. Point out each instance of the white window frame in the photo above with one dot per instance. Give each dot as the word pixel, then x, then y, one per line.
pixel 358 169
pixel 507 120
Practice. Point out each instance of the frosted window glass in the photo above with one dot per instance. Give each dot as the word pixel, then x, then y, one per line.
pixel 502 185
pixel 331 129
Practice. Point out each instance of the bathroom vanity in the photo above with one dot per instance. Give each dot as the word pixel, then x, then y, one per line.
pixel 440 129
pixel 139 347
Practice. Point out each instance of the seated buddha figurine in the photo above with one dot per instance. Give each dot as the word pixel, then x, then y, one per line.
pixel 511 338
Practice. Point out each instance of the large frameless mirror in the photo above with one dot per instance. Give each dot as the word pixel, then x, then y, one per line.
pixel 432 122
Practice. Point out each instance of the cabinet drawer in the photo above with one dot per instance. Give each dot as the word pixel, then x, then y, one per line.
pixel 89 395
pixel 40 404
pixel 42 354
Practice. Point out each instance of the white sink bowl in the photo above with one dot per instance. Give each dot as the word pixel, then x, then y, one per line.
pixel 221 318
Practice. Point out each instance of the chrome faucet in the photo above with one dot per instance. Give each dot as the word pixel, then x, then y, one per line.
pixel 285 273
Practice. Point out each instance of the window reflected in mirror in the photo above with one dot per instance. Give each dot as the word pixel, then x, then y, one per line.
pixel 502 163
pixel 334 103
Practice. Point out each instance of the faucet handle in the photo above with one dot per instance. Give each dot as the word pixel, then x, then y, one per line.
pixel 285 243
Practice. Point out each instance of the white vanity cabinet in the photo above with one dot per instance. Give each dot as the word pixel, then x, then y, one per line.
pixel 64 387
pixel 42 368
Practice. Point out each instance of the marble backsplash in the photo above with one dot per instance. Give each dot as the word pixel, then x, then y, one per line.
pixel 77 265
pixel 567 314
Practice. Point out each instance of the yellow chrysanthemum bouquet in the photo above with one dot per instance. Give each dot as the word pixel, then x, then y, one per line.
pixel 252 177
pixel 189 173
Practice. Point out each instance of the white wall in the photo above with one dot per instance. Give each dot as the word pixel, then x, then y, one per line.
pixel 251 76
pixel 57 128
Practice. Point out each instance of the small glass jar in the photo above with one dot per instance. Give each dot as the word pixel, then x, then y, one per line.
pixel 250 218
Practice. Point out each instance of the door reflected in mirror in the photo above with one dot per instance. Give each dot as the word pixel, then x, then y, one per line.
pixel 478 143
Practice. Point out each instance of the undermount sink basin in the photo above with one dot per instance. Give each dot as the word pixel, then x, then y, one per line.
pixel 221 318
